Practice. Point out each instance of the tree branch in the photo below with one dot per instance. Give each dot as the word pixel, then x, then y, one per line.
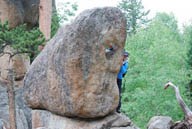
pixel 184 107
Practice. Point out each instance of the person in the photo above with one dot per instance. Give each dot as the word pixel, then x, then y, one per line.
pixel 121 74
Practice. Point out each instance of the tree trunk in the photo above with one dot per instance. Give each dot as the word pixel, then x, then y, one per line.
pixel 45 14
pixel 11 98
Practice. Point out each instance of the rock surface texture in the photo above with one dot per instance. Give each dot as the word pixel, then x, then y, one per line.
pixel 73 75
pixel 17 12
pixel 160 122
pixel 23 113
pixel 46 120
pixel 20 63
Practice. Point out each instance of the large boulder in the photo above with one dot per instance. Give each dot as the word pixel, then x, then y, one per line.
pixel 73 76
pixel 42 119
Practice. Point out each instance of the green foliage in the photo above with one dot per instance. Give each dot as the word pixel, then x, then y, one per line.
pixel 156 56
pixel 66 11
pixel 134 13
pixel 170 22
pixel 54 23
pixel 187 37
pixel 21 39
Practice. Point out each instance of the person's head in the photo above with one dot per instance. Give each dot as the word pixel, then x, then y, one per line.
pixel 125 55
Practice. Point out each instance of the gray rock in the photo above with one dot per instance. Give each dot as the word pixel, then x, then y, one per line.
pixel 160 122
pixel 1 124
pixel 23 113
pixel 48 120
pixel 73 76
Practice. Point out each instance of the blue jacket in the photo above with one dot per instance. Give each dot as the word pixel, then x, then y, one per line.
pixel 123 69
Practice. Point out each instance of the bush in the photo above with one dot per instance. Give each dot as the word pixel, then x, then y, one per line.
pixel 21 39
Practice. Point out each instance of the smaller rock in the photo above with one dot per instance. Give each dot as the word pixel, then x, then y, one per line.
pixel 122 121
pixel 42 119
pixel 160 122
pixel 20 64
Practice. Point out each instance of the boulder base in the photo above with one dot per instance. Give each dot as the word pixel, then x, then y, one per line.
pixel 46 120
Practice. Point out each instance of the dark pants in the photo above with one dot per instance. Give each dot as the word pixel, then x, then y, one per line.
pixel 119 83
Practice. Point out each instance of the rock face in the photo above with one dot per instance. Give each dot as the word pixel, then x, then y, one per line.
pixel 73 76
pixel 23 113
pixel 46 120
pixel 17 12
pixel 160 122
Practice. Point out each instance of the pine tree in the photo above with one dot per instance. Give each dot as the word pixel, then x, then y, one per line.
pixel 21 39
pixel 134 13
